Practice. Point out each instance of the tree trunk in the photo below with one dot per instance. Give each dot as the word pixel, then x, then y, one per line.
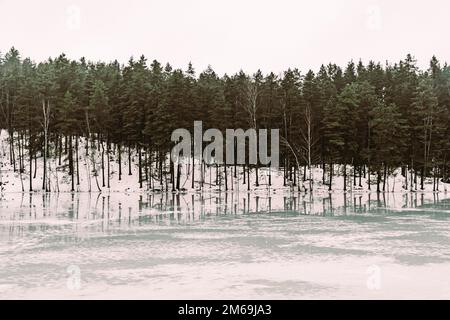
pixel 151 184
pixel 140 167
pixel 71 166
pixel 270 176
pixel 331 176
pixel 295 176
pixel 378 180
pixel 434 178
pixel 108 163
pixel 35 165
pixel 406 177
pixel 172 175
pixel 31 165
pixel 120 161
pixel 415 179
pixel 178 175
pixel 248 178
pixel 44 174
pixel 422 177
pixel 359 176
pixel 78 166
pixel 20 153
pixel 129 159
pixel 146 168
pixel 103 164
pixel 60 150
pixel 226 178
pixel 323 172
pixel 160 170
pixel 345 177
pixel 193 165
pixel 12 154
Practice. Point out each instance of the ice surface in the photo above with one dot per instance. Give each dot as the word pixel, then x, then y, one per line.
pixel 224 245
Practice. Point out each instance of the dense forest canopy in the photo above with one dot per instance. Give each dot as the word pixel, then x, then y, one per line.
pixel 374 117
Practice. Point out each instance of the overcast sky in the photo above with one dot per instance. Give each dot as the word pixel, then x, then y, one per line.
pixel 229 34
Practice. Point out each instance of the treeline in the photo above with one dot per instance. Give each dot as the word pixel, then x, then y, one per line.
pixel 373 118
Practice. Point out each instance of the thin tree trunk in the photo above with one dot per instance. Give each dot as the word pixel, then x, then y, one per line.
pixel 103 163
pixel 422 177
pixel 129 159
pixel 146 168
pixel 35 165
pixel 270 176
pixel 20 153
pixel 44 174
pixel 71 166
pixel 76 155
pixel 295 177
pixel 323 172
pixel 120 161
pixel 172 175
pixel 108 164
pixel 178 175
pixel 248 178
pixel 140 166
pixel 359 176
pixel 345 176
pixel 331 176
pixel 226 178
pixel 406 177
pixel 60 150
pixel 193 165
pixel 378 180
pixel 31 164
pixel 12 152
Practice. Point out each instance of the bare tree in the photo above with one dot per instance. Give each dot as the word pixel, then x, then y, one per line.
pixel 92 154
pixel 305 149
pixel 45 124
pixel 251 94
pixel 308 141
pixel 294 150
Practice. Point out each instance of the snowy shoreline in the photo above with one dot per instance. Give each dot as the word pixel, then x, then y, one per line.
pixel 211 178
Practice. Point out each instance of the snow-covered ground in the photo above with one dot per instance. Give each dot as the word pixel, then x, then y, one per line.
pixel 11 181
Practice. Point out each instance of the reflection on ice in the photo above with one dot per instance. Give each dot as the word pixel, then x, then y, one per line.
pixel 64 208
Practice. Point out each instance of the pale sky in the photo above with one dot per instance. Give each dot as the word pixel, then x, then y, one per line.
pixel 229 34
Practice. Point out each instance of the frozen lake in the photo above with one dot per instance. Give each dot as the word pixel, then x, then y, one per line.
pixel 217 246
